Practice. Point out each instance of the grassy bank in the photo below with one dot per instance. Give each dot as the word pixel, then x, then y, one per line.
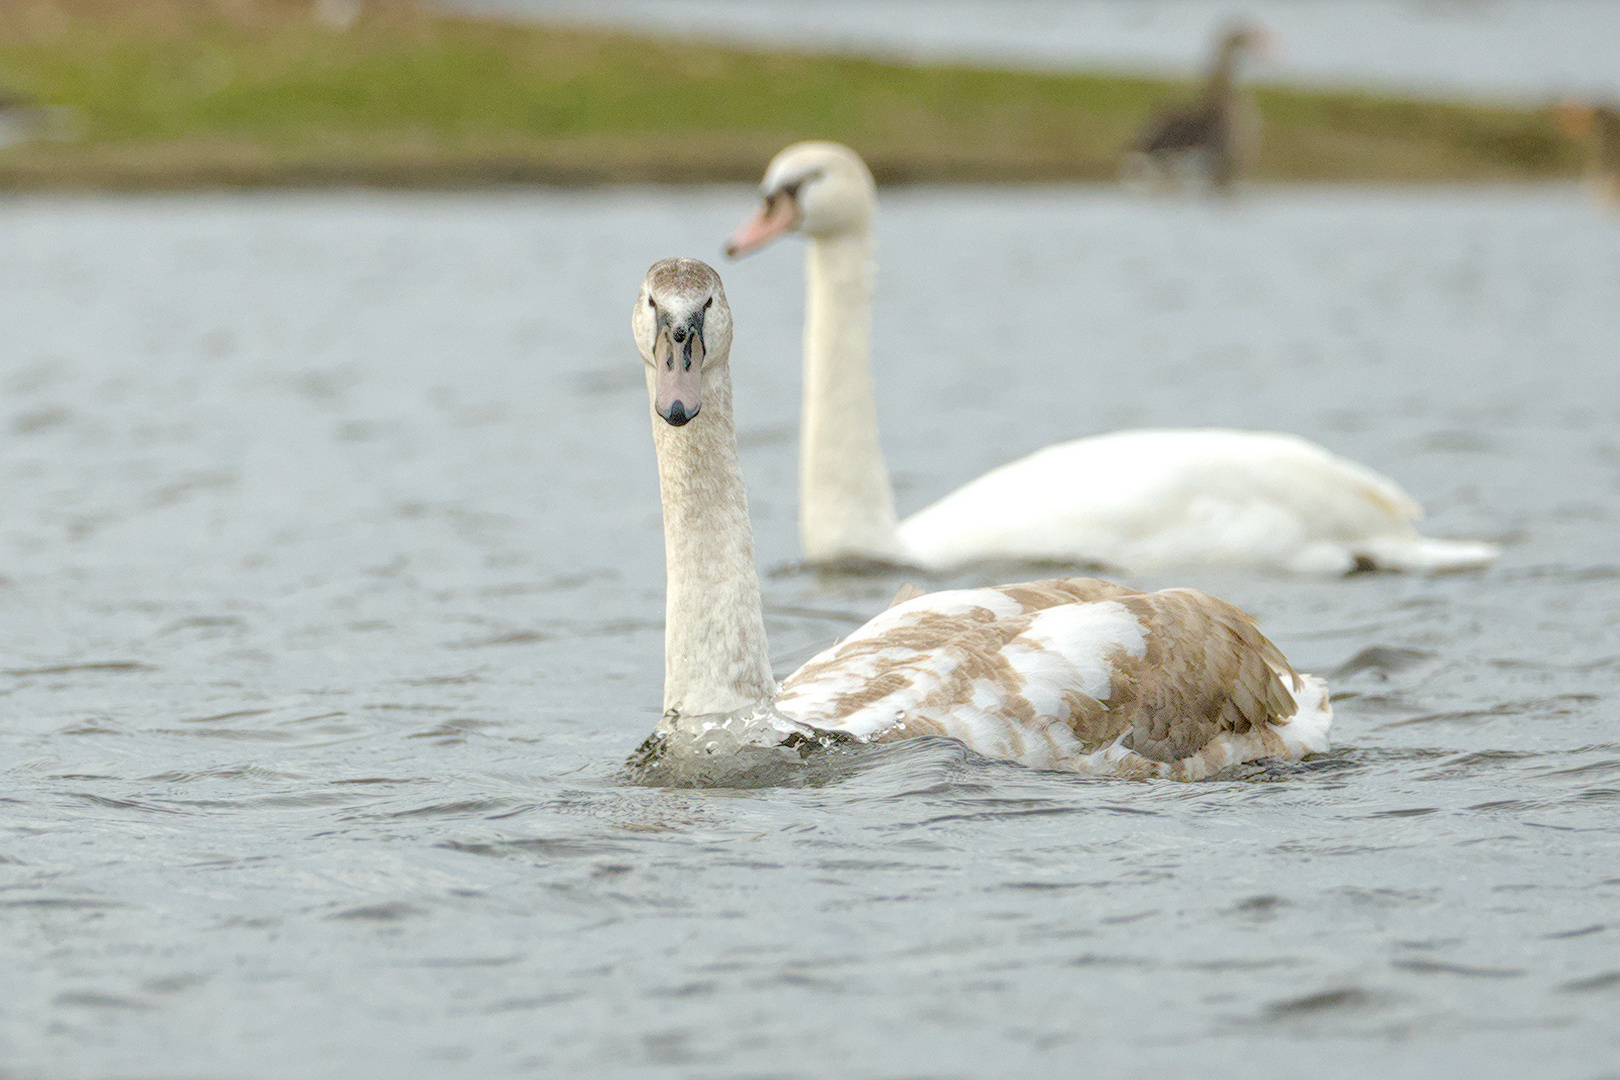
pixel 194 93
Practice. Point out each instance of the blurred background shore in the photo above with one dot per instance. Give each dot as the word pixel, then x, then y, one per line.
pixel 179 94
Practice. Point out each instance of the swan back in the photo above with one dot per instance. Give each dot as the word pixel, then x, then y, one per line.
pixel 1145 500
pixel 1071 673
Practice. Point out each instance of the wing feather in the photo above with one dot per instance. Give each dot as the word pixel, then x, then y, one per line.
pixel 1148 499
pixel 1046 671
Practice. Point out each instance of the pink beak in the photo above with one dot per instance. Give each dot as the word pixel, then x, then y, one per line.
pixel 679 387
pixel 779 214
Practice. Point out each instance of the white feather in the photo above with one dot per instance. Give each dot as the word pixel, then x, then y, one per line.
pixel 1146 500
pixel 1133 500
pixel 1064 650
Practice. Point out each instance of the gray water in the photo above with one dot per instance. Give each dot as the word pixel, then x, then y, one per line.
pixel 1519 49
pixel 332 603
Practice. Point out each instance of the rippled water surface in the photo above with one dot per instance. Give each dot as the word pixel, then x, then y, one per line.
pixel 332 602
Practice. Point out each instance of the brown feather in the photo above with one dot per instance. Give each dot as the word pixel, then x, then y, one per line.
pixel 1206 670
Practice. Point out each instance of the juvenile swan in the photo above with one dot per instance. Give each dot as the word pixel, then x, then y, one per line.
pixel 1132 500
pixel 1064 674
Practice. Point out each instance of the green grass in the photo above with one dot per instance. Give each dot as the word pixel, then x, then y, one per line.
pixel 177 94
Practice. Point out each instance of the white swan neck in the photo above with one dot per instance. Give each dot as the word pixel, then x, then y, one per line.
pixel 716 659
pixel 846 506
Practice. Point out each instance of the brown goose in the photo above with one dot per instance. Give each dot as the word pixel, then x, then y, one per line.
pixel 1599 126
pixel 1208 138
pixel 22 117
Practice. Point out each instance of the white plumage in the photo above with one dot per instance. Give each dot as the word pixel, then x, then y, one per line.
pixel 1149 500
pixel 1132 500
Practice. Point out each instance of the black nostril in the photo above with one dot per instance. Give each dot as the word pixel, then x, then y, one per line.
pixel 680 334
pixel 677 414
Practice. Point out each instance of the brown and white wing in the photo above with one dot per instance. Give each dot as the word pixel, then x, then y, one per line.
pixel 1050 672
pixel 1207 670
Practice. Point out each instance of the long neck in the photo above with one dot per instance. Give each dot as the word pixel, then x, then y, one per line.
pixel 715 655
pixel 1221 87
pixel 846 506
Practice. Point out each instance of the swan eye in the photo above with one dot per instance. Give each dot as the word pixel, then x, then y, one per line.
pixel 791 189
pixel 709 303
pixel 652 303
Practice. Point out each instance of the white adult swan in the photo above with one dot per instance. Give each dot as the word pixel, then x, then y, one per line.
pixel 1068 674
pixel 1133 500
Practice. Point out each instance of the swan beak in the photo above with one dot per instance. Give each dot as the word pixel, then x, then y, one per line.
pixel 678 355
pixel 777 215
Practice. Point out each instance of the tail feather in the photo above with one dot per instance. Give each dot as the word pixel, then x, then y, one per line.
pixel 1306 732
pixel 1422 554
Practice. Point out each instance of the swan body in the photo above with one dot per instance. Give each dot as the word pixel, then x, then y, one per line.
pixel 1132 500
pixel 1073 674
pixel 1148 500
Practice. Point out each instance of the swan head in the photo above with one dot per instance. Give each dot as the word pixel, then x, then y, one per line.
pixel 682 326
pixel 819 189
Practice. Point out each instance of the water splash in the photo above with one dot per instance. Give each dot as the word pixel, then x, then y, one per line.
pixel 753 748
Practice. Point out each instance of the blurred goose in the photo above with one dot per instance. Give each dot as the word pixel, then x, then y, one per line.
pixel 24 118
pixel 1065 674
pixel 1599 125
pixel 1211 136
pixel 1132 500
